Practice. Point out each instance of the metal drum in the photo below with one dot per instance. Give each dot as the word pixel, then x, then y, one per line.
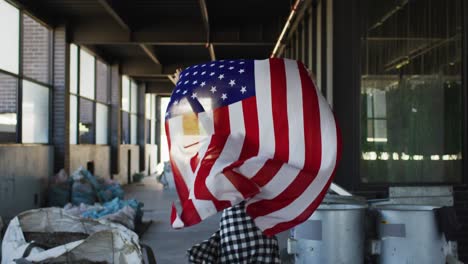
pixel 333 234
pixel 408 234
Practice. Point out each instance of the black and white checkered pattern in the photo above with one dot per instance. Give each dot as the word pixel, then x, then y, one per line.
pixel 238 241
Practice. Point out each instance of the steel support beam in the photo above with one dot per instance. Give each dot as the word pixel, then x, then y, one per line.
pixel 149 51
pixel 206 24
pixel 111 10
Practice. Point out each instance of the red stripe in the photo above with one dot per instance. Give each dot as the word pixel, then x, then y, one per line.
pixel 194 162
pixel 311 112
pixel 313 206
pixel 251 141
pixel 190 214
pixel 313 150
pixel 217 142
pixel 279 106
pixel 245 186
pixel 267 172
pixel 182 188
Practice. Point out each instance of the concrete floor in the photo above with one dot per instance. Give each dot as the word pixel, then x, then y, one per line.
pixel 170 245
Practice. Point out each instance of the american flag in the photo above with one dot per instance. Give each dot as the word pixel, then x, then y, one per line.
pixel 250 130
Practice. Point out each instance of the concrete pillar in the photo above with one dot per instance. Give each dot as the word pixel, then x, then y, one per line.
pixel 115 118
pixel 60 110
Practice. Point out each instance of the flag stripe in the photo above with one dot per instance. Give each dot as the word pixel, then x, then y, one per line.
pixel 216 145
pixel 313 191
pixel 278 104
pixel 313 141
pixel 264 107
pixel 295 114
pixel 282 226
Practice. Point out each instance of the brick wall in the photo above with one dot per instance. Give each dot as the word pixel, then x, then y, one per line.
pixel 102 76
pixel 36 40
pixel 60 133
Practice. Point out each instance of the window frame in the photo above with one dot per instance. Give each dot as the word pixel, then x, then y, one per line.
pixel 94 101
pixel 347 47
pixel 20 77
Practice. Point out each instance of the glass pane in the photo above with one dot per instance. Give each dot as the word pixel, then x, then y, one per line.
pixel 148 131
pixel 134 130
pixel 148 106
pixel 35 123
pixel 87 74
pixel 134 97
pixel 125 93
pixel 153 132
pixel 36 46
pixel 86 126
pixel 73 69
pixel 411 90
pixel 73 119
pixel 8 88
pixel 125 128
pixel 9 45
pixel 153 107
pixel 102 113
pixel 163 139
pixel 102 87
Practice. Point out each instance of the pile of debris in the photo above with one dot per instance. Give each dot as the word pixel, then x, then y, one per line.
pixel 87 196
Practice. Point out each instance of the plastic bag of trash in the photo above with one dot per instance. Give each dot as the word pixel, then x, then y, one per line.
pixel 49 235
pixel 59 190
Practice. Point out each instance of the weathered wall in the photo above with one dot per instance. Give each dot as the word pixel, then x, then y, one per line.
pixel 151 159
pixel 24 173
pixel 80 155
pixel 123 175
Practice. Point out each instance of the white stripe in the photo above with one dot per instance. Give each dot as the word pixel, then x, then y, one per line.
pixel 283 178
pixel 251 166
pixel 216 182
pixel 264 108
pixel 178 153
pixel 295 115
pixel 204 208
pixel 328 162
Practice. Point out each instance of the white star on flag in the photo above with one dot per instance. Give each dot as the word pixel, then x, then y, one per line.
pixel 213 89
pixel 221 76
pixel 195 82
pixel 203 84
pixel 241 71
pixel 177 91
pixel 194 95
pixel 243 90
pixel 195 73
pixel 212 73
pixel 185 91
pixel 212 64
pixel 231 68
pixel 221 66
pixel 186 81
pixel 232 83
pixel 203 73
pixel 224 96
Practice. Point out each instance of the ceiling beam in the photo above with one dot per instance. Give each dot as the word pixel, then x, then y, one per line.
pixel 206 23
pixel 111 10
pixel 150 52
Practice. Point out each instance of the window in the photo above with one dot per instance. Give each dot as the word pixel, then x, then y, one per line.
pixel 35 113
pixel 89 98
pixel 164 147
pixel 411 90
pixel 24 119
pixel 129 111
pixel 9 46
pixel 8 117
pixel 150 118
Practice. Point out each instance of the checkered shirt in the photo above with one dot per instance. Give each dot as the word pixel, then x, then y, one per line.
pixel 238 240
